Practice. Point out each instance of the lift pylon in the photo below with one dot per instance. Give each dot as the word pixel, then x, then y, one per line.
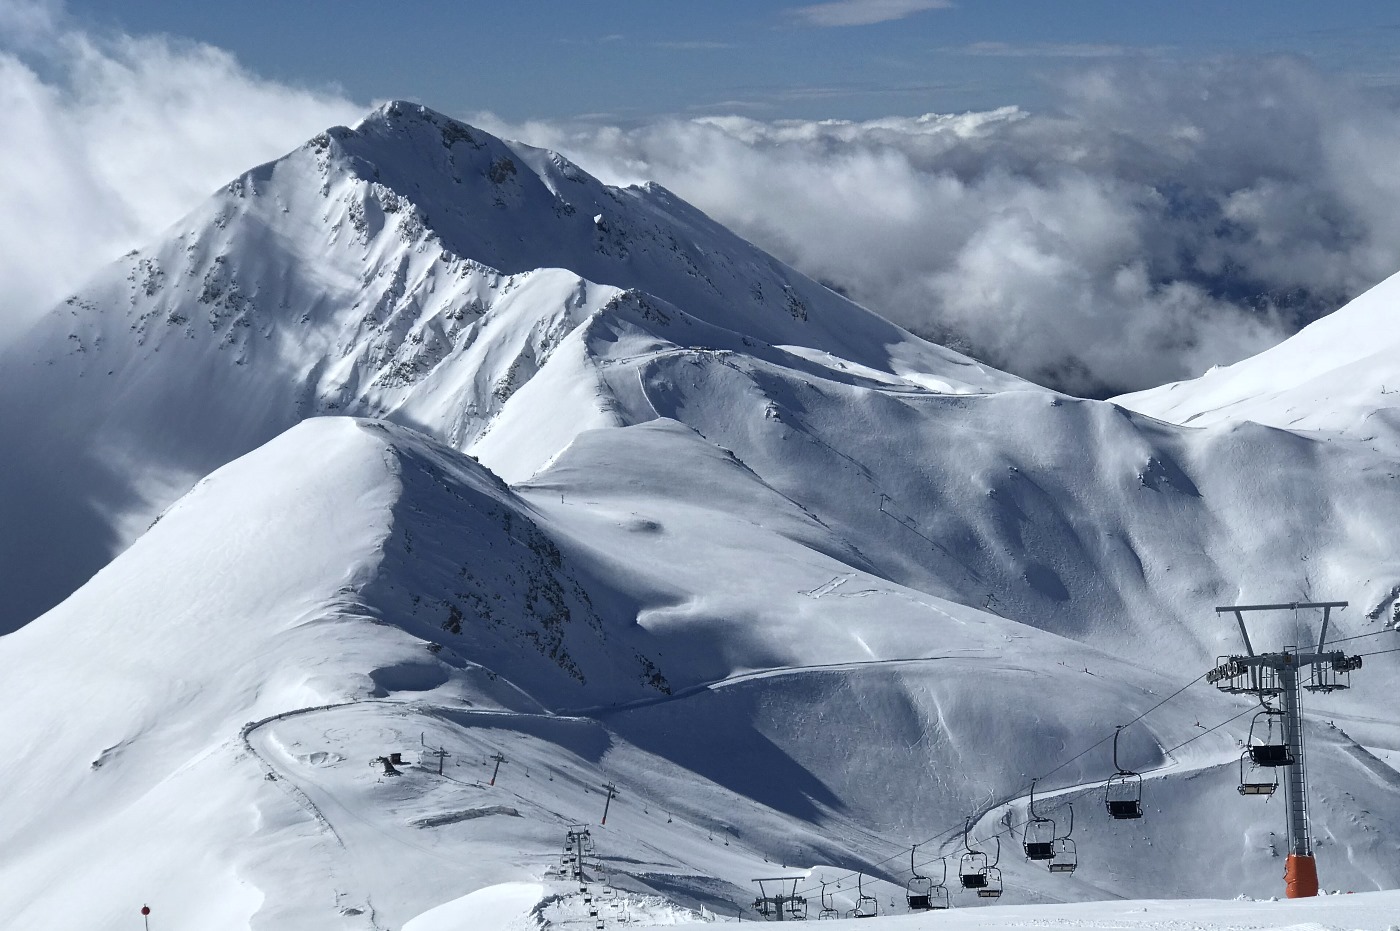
pixel 777 899
pixel 1266 674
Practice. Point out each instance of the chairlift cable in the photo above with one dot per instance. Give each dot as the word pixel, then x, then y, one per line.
pixel 1374 633
pixel 1379 652
pixel 1217 727
pixel 1012 798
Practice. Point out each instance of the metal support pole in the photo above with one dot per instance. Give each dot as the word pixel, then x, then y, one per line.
pixel 1300 869
pixel 1299 835
pixel 612 793
pixel 499 758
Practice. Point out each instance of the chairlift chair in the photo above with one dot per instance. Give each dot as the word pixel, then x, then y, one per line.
pixel 1066 857
pixel 1252 783
pixel 1123 793
pixel 917 892
pixel 1038 838
pixel 923 893
pixel 991 885
pixel 972 870
pixel 828 907
pixel 939 897
pixel 1267 752
pixel 867 906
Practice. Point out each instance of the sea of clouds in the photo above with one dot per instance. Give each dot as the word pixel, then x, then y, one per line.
pixel 1156 219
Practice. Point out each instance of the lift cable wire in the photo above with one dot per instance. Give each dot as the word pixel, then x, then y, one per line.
pixel 1379 652
pixel 1250 710
pixel 1011 828
pixel 949 833
pixel 1374 633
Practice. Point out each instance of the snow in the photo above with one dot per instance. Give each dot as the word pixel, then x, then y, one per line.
pixel 1340 373
pixel 439 461
pixel 506 907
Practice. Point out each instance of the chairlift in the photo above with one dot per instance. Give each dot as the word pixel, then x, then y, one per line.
pixel 1267 752
pixel 922 893
pixel 938 895
pixel 1066 857
pixel 1038 839
pixel 867 906
pixel 1123 794
pixel 828 907
pixel 916 893
pixel 1253 782
pixel 972 870
pixel 991 878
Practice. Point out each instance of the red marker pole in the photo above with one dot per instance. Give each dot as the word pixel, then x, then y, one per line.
pixel 146 916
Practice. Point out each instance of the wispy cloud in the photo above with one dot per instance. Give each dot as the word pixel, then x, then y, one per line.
pixel 698 45
pixel 864 12
pixel 1046 50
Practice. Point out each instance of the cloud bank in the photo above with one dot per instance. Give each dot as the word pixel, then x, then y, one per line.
pixel 1162 218
pixel 110 138
pixel 1158 219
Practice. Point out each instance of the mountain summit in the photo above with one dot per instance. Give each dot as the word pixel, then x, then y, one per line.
pixel 411 267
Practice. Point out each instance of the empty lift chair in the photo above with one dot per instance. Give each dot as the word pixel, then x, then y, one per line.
pixel 922 893
pixel 919 891
pixel 1038 839
pixel 972 870
pixel 1123 793
pixel 1254 782
pixel 991 886
pixel 828 907
pixel 867 906
pixel 1269 751
pixel 1066 857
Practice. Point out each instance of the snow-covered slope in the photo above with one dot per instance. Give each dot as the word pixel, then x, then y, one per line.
pixel 1340 373
pixel 411 267
pixel 627 501
pixel 297 615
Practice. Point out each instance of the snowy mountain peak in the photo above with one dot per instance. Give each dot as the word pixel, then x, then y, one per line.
pixel 1338 374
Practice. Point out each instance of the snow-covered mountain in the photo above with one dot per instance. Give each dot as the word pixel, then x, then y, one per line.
pixel 1340 373
pixel 411 267
pixel 508 460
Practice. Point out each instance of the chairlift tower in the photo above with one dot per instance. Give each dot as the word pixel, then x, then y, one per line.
pixel 782 905
pixel 1278 675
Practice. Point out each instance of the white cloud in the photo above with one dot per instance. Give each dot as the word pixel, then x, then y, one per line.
pixel 1047 50
pixel 864 12
pixel 1161 219
pixel 1165 218
pixel 110 138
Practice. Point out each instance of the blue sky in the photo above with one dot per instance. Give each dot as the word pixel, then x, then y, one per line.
pixel 635 59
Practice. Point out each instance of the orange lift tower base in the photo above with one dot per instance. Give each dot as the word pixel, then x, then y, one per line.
pixel 1276 676
pixel 1300 876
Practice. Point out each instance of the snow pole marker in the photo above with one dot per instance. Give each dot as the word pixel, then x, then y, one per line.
pixel 146 916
